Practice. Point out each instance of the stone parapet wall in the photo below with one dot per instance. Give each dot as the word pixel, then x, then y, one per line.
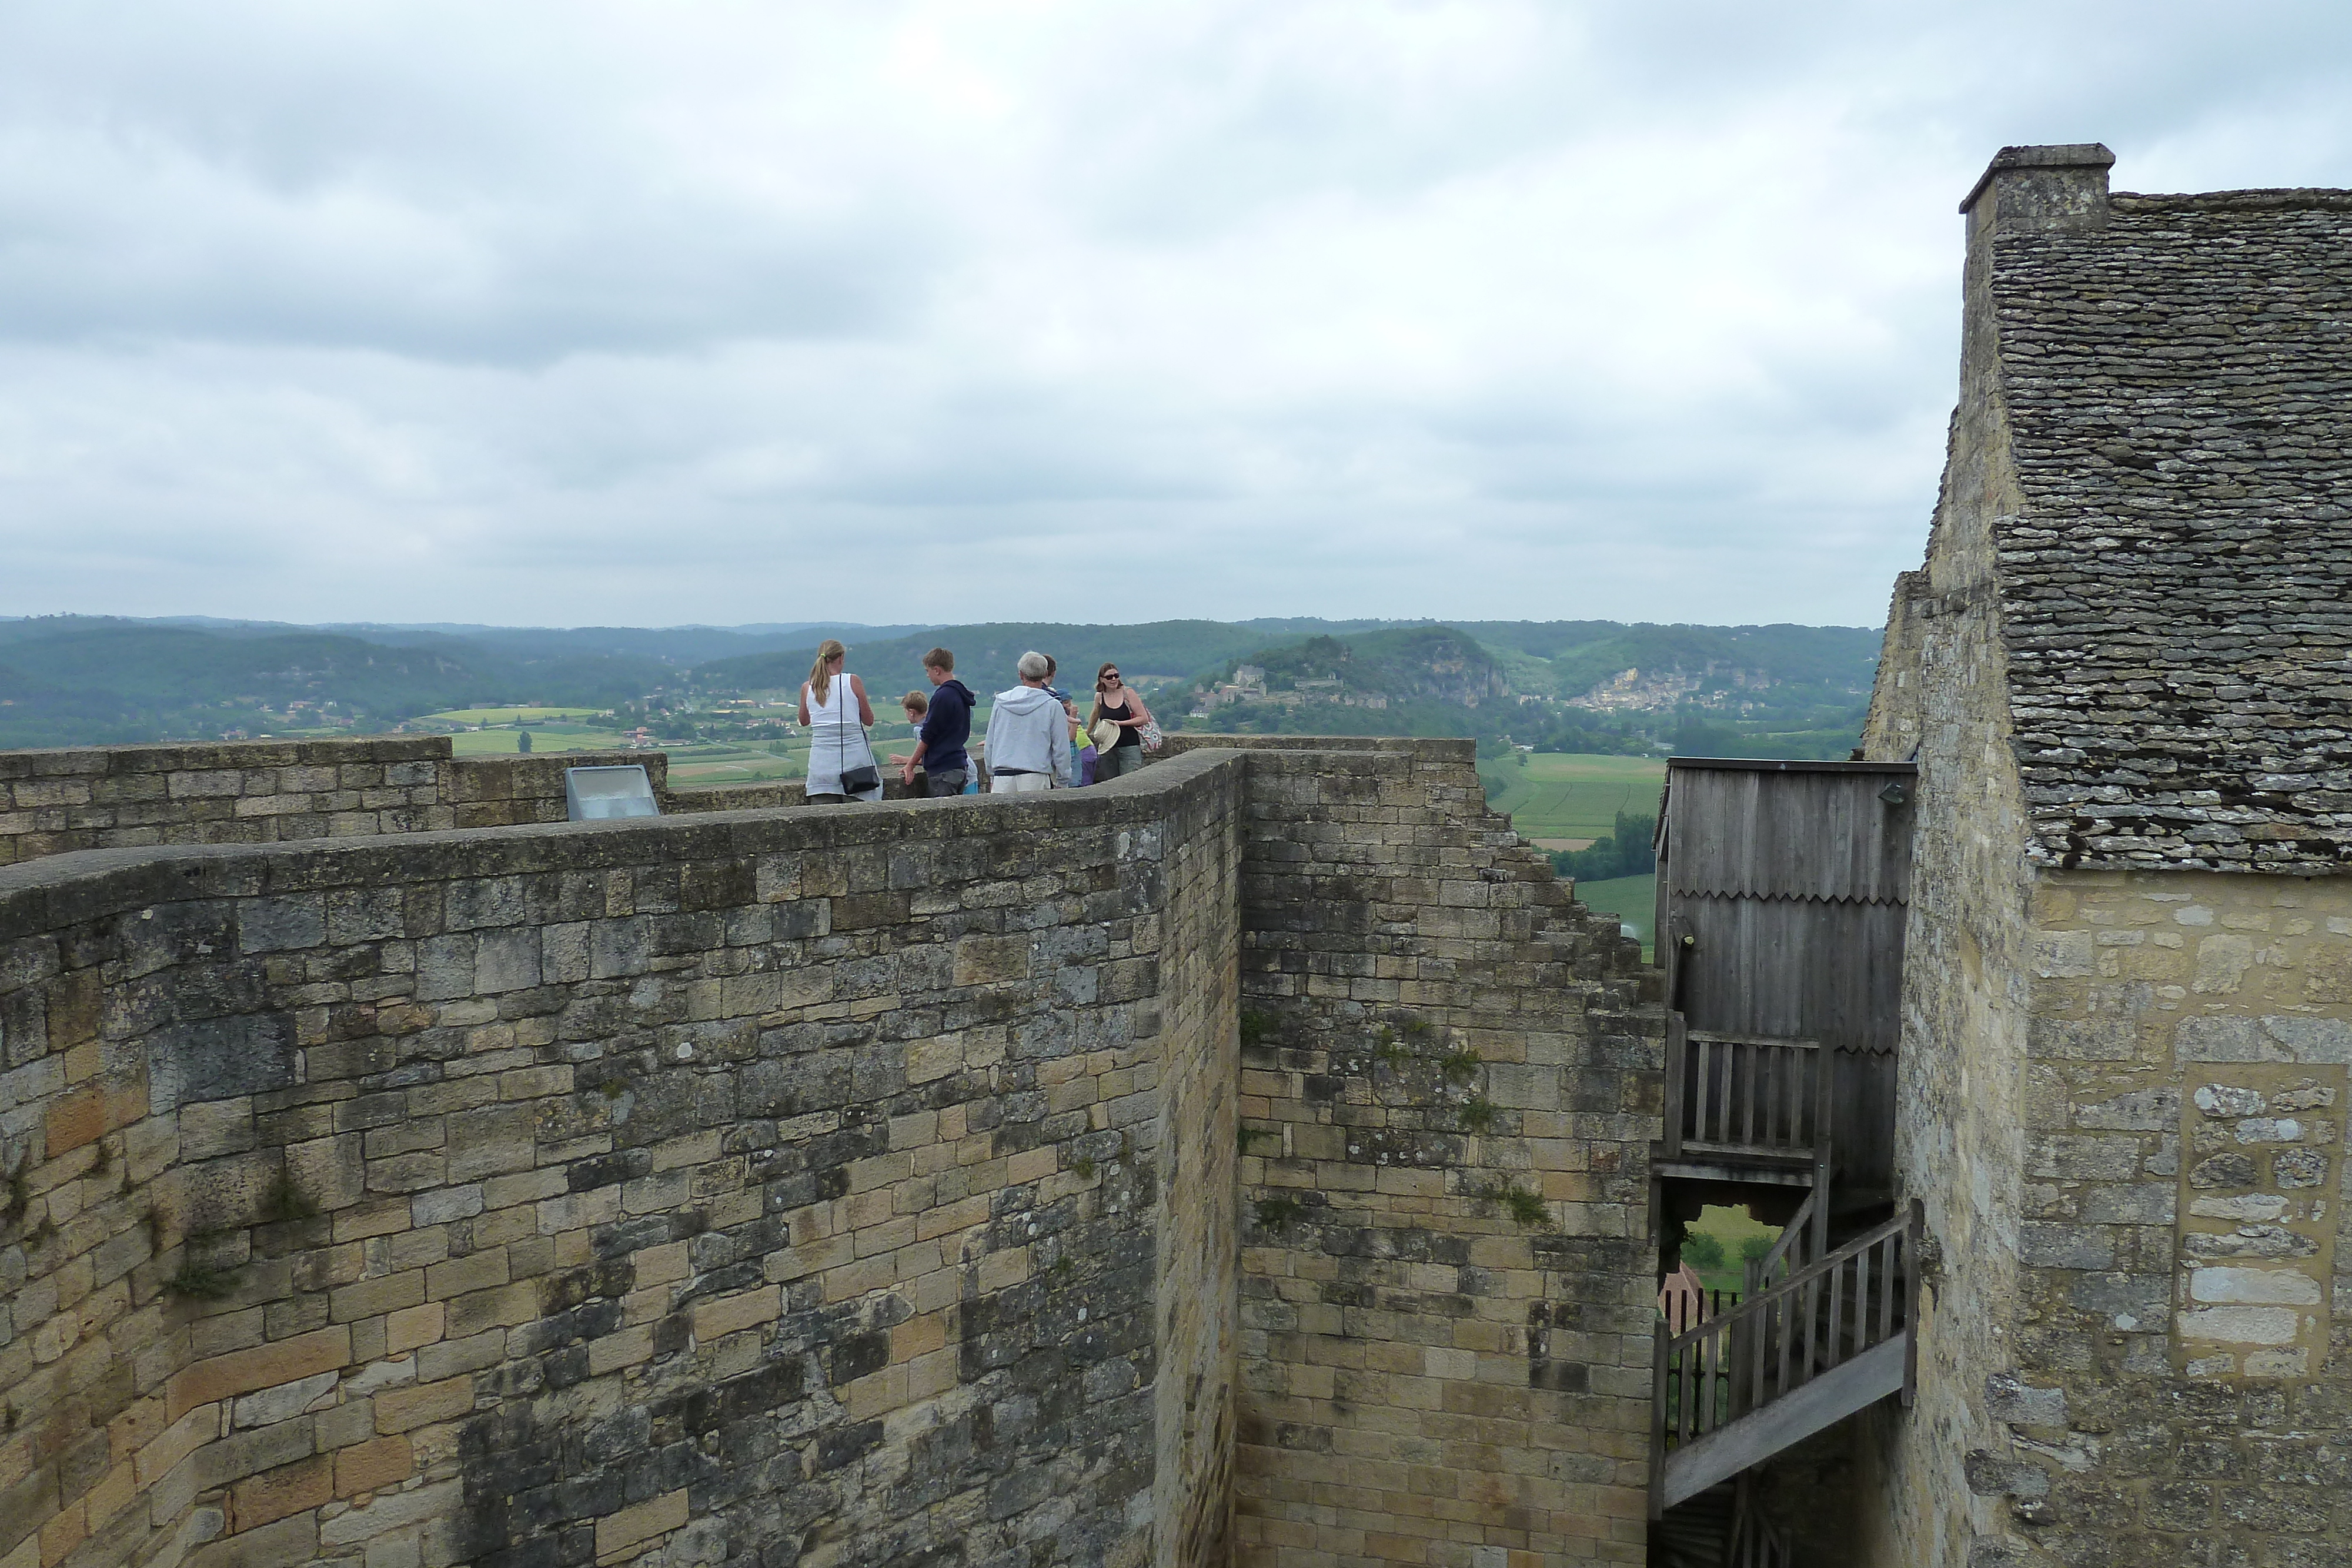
pixel 824 1186
pixel 846 1185
pixel 1451 1080
pixel 54 802
pixel 267 791
pixel 508 791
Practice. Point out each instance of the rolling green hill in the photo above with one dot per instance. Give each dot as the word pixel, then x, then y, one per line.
pixel 87 682
pixel 1569 686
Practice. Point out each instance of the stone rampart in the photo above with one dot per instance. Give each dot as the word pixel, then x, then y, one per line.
pixel 267 791
pixel 823 1187
pixel 850 1185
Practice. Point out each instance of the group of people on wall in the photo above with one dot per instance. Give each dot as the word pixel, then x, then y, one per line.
pixel 1036 738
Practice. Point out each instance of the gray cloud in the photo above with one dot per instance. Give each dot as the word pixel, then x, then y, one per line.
pixel 902 311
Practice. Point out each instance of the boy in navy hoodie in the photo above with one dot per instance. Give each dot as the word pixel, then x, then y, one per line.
pixel 940 750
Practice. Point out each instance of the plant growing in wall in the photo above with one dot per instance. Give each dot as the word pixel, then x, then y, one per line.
pixel 1476 1114
pixel 1524 1209
pixel 19 1200
pixel 1257 1026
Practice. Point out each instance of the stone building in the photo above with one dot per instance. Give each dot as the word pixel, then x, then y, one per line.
pixel 2125 673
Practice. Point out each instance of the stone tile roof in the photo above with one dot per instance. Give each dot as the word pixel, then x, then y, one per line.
pixel 2177 593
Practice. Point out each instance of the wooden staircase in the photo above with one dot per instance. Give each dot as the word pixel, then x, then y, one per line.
pixel 1782 891
pixel 1830 1338
pixel 1720 1528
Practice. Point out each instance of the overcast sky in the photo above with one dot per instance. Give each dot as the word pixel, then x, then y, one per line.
pixel 586 313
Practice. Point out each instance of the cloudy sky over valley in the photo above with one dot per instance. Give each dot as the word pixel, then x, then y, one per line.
pixel 905 313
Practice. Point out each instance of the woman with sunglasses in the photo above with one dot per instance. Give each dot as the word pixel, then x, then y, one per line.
pixel 1120 708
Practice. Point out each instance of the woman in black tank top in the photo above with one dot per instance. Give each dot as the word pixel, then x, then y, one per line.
pixel 1123 707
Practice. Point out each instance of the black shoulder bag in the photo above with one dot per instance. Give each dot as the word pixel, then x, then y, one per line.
pixel 864 775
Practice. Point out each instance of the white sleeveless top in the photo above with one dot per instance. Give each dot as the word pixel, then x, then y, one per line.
pixel 836 740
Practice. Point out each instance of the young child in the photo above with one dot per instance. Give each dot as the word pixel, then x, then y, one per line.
pixel 917 705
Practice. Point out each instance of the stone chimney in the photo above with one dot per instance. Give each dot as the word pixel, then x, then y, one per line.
pixel 2040 190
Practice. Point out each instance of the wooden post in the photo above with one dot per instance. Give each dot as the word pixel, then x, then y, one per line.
pixel 1676 1046
pixel 1824 1079
pixel 1658 1423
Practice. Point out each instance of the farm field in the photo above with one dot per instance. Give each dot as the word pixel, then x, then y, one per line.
pixel 1631 899
pixel 1564 800
pixel 509 715
pixel 543 739
pixel 692 765
pixel 1733 1231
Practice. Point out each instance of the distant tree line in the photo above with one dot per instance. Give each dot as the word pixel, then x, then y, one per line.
pixel 1706 1253
pixel 1630 850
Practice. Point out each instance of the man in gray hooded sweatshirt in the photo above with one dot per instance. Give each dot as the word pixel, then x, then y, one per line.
pixel 1028 734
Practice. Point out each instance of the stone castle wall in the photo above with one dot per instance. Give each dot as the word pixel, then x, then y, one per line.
pixel 2181 1388
pixel 850 1185
pixel 823 1187
pixel 1451 1081
pixel 262 791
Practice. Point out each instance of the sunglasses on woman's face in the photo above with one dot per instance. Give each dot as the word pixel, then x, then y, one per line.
pixel 1111 679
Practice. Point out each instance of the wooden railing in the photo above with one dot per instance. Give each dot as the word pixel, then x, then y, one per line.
pixel 1789 1253
pixel 1743 1094
pixel 1684 1304
pixel 1774 1343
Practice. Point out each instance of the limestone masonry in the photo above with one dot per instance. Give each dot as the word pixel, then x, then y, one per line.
pixel 2128 981
pixel 1075 1180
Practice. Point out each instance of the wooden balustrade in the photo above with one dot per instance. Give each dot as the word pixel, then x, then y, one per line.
pixel 1742 1094
pixel 1784 1336
pixel 1789 1254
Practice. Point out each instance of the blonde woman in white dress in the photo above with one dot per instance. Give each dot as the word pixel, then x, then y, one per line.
pixel 835 712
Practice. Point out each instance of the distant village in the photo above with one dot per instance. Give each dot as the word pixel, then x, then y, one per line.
pixel 1248 686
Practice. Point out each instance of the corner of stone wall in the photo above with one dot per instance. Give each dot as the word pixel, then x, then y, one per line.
pixel 1960 1143
pixel 1451 1078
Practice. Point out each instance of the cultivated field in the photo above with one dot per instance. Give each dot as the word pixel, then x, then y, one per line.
pixel 509 715
pixel 690 765
pixel 1631 899
pixel 544 738
pixel 1564 800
